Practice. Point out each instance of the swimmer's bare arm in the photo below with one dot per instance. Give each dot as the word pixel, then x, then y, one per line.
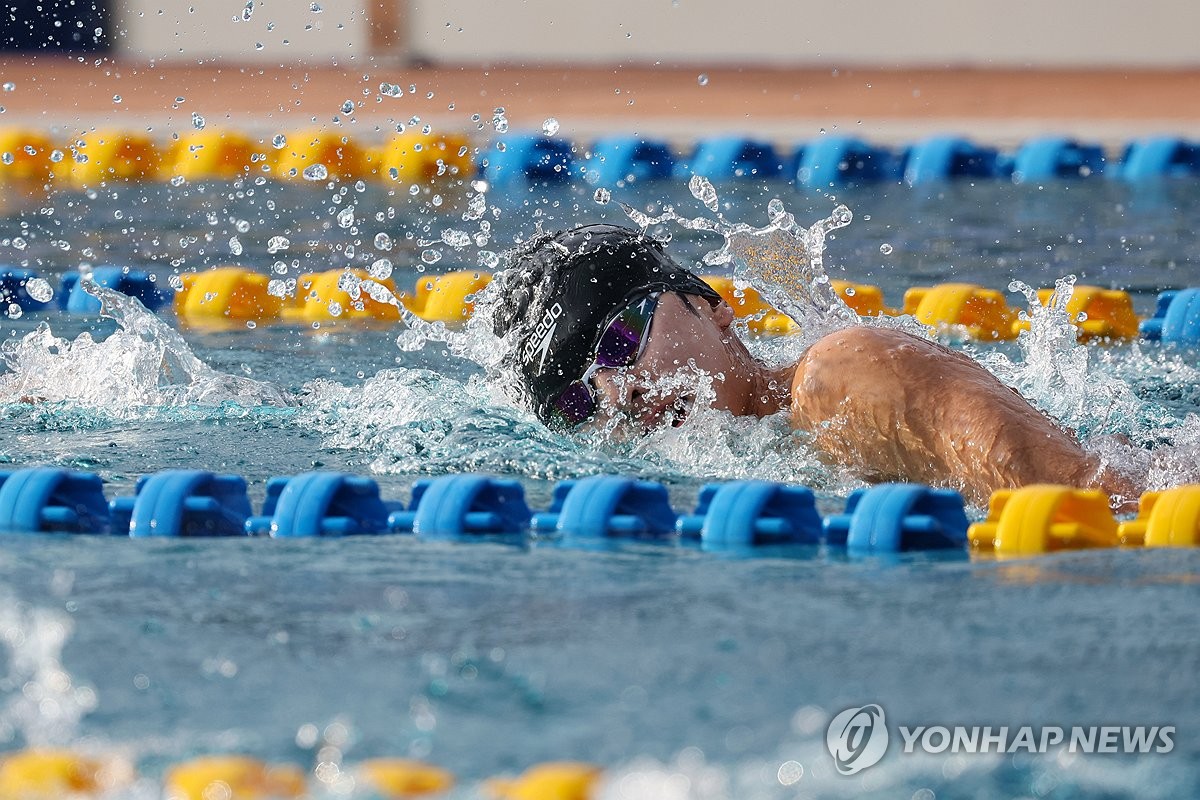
pixel 892 406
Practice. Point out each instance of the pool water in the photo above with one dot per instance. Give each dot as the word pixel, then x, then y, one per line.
pixel 655 661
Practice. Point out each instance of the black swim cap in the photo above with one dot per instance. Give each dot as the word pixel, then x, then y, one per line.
pixel 563 288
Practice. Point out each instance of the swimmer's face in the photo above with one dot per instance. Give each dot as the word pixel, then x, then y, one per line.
pixel 686 337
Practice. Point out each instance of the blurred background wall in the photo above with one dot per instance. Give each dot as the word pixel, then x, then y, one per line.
pixel 916 33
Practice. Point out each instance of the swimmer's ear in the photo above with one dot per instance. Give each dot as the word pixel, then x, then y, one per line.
pixel 723 315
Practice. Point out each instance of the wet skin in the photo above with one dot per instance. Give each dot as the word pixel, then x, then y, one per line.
pixel 881 402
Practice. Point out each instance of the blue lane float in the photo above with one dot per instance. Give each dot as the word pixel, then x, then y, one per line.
pixel 453 506
pixel 321 504
pixel 14 289
pixel 602 506
pixel 944 158
pixel 1176 318
pixel 1156 157
pixel 843 161
pixel 628 158
pixel 751 513
pixel 897 517
pixel 134 283
pixel 529 157
pixel 48 499
pixel 1049 157
pixel 183 502
pixel 728 157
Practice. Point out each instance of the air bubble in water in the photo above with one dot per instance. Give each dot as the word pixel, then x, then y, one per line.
pixel 456 238
pixel 279 141
pixel 277 243
pixel 702 79
pixel 117 99
pixel 9 86
pixel 414 190
pixel 197 121
pixel 702 189
pixel 315 8
pixel 277 288
pixel 235 246
pixel 602 196
pixel 57 156
pixel 175 283
pixel 248 11
pixel 383 241
pixel 14 311
pixel 7 158
pixel 345 217
pixel 431 256
pixel 178 180
pixel 885 248
pixel 348 107
pixel 550 126
pixel 316 172
pixel 39 290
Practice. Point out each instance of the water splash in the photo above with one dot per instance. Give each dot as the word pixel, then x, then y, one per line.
pixel 45 703
pixel 145 363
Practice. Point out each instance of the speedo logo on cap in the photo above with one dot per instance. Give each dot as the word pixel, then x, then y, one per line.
pixel 538 343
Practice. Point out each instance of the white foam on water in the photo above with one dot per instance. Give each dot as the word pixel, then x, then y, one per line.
pixel 144 364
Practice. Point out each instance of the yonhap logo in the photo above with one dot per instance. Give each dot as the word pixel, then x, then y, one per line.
pixel 857 738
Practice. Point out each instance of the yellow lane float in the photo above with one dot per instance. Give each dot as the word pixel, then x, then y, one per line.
pixel 54 774
pixel 981 313
pixel 560 780
pixel 421 157
pixel 232 778
pixel 1170 518
pixel 399 778
pixel 25 155
pixel 213 155
pixel 1098 313
pixel 748 304
pixel 1044 518
pixel 109 155
pixel 864 299
pixel 348 295
pixel 318 155
pixel 226 294
pixel 443 298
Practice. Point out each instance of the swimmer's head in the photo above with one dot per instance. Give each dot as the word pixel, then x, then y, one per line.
pixel 564 290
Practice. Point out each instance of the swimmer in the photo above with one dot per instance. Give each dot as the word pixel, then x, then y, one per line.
pixel 600 316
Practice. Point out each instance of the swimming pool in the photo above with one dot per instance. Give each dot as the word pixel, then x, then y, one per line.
pixel 654 661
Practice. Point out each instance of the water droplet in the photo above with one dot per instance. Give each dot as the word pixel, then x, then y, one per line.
pixel 383 241
pixel 885 248
pixel 39 290
pixel 348 107
pixel 602 196
pixel 456 238
pixel 550 126
pixel 380 270
pixel 279 141
pixel 235 246
pixel 197 121
pixel 702 189
pixel 277 243
pixel 316 172
pixel 499 120
pixel 702 79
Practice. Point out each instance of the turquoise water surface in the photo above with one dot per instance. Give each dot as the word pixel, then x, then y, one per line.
pixel 652 660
